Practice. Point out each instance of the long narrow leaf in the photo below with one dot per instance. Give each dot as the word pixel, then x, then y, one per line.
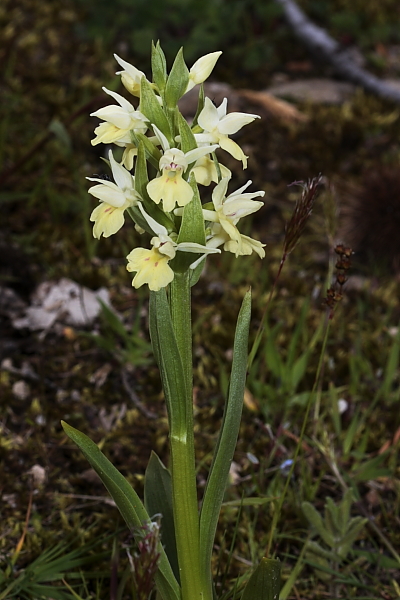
pixel 158 500
pixel 128 503
pixel 223 456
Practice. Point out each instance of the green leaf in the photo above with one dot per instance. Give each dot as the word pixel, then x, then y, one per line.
pixel 158 500
pixel 294 574
pixel 128 502
pixel 316 550
pixel 150 107
pixel 372 469
pixel 249 501
pixel 351 432
pixel 177 81
pixel 298 369
pixel 200 105
pixel 61 133
pixel 153 154
pixel 188 141
pixel 344 510
pixel 332 520
pixel 141 175
pixel 357 524
pixel 223 454
pixel 192 227
pixel 158 66
pixel 313 516
pixel 265 582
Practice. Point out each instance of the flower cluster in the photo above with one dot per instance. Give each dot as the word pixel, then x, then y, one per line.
pixel 169 159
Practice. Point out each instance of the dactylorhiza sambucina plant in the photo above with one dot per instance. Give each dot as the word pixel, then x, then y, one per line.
pixel 164 160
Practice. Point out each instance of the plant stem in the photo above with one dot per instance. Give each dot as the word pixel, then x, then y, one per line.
pixel 183 471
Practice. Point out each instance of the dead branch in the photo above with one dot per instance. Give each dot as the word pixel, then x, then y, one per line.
pixel 323 46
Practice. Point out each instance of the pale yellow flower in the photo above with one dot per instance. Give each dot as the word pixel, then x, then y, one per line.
pixel 228 211
pixel 202 68
pixel 217 126
pixel 130 76
pixel 169 186
pixel 119 121
pixel 108 219
pixel 115 198
pixel 151 266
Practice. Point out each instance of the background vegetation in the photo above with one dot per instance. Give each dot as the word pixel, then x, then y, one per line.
pixel 55 59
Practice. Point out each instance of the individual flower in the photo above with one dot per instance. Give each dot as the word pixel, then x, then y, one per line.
pixel 130 76
pixel 170 187
pixel 114 198
pixel 228 211
pixel 151 266
pixel 202 68
pixel 217 126
pixel 205 171
pixel 119 121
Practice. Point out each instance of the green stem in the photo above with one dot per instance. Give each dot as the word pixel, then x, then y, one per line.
pixel 180 305
pixel 183 471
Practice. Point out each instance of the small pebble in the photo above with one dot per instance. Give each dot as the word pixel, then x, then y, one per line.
pixel 21 390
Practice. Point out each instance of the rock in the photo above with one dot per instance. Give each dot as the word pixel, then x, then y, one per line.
pixel 319 91
pixel 62 301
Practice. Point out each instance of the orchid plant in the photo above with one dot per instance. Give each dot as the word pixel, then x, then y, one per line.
pixel 163 163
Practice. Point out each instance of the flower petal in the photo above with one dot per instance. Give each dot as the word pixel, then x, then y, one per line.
pixel 234 121
pixel 208 118
pixel 106 133
pixel 197 153
pixel 230 229
pixel 233 149
pixel 238 208
pixel 122 177
pixel 156 227
pixel 171 190
pixel 133 71
pixel 115 115
pixel 155 188
pixel 177 191
pixel 108 220
pixel 254 245
pixel 120 99
pixel 222 108
pixel 219 192
pixel 197 248
pixel 107 192
pixel 202 68
pixel 151 268
pixel 161 138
